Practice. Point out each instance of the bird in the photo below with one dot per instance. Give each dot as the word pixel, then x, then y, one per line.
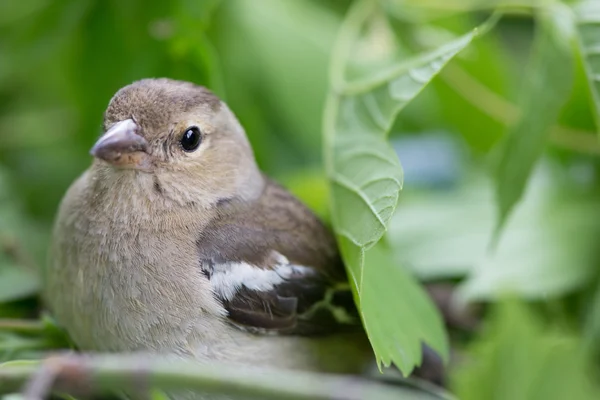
pixel 174 242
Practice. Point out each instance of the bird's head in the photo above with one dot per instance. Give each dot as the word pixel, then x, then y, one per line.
pixel 178 138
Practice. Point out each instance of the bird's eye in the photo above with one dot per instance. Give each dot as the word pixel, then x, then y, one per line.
pixel 191 139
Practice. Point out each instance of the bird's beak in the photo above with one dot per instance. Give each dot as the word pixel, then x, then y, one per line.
pixel 121 146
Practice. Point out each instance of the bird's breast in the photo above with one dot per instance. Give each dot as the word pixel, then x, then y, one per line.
pixel 124 283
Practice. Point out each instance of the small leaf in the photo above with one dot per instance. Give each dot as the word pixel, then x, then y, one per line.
pixel 56 335
pixel 548 82
pixel 397 326
pixel 366 178
pixel 587 14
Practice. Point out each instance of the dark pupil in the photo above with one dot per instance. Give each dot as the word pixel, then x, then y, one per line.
pixel 191 139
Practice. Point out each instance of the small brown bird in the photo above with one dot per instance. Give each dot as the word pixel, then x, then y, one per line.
pixel 174 242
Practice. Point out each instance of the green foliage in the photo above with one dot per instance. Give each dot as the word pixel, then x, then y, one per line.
pixel 531 255
pixel 18 279
pixel 544 363
pixel 396 327
pixel 548 82
pixel 555 225
pixel 366 179
pixel 519 102
pixel 587 13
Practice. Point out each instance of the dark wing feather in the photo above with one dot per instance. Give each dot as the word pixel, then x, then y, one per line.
pixel 303 298
pixel 262 310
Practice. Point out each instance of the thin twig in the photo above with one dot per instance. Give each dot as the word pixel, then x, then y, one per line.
pixel 506 113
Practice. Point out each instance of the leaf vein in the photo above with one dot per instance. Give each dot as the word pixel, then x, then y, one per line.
pixel 346 183
pixel 381 179
pixel 367 152
pixel 374 111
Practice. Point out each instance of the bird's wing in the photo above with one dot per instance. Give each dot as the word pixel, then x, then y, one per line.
pixel 276 268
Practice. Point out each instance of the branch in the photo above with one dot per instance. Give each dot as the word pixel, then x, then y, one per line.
pixel 107 373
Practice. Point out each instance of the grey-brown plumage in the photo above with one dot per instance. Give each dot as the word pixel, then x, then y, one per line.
pixel 174 242
pixel 255 233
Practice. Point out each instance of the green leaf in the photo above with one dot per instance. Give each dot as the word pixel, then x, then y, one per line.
pixel 436 236
pixel 520 358
pixel 366 178
pixel 547 249
pixel 398 324
pixel 587 14
pixel 548 82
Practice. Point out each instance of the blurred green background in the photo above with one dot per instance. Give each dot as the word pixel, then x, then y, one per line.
pixel 61 61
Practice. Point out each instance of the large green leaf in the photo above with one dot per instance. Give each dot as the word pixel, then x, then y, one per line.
pixel 547 249
pixel 548 82
pixel 587 14
pixel 366 178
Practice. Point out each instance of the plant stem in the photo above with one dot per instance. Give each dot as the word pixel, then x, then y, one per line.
pixel 505 112
pixel 21 326
pixel 117 372
pixel 516 6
